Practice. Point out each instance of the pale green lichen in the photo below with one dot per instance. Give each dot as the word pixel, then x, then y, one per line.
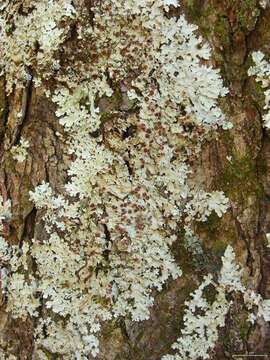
pixel 19 152
pixel 261 71
pixel 204 318
pixel 110 230
pixel 32 39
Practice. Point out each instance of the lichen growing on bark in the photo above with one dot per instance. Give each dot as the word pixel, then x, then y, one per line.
pixel 138 98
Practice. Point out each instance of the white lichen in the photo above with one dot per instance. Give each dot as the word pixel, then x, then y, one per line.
pixel 35 37
pixel 5 210
pixel 268 239
pixel 264 3
pixel 19 152
pixel 203 320
pixel 261 71
pixel 203 204
pixel 135 116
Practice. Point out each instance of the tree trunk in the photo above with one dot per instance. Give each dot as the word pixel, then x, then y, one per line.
pixel 235 161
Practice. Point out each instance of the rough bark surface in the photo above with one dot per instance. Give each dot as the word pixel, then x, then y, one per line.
pixel 234 28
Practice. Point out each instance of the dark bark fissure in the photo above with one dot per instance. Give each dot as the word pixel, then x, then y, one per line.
pixel 28 227
pixel 106 253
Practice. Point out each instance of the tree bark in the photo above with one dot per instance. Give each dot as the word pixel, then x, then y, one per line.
pixel 234 28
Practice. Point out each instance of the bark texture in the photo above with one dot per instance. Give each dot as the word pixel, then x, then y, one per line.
pixel 234 28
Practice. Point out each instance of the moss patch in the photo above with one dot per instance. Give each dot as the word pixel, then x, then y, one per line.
pixel 246 14
pixel 240 178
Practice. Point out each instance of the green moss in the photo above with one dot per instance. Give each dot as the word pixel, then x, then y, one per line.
pixel 199 12
pixel 240 169
pixel 257 92
pixel 240 178
pixel 262 165
pixel 222 30
pixel 10 164
pixel 193 9
pixel 210 293
pixel 227 138
pixel 214 240
pixel 244 329
pixel 212 223
pixel 247 13
pixel 259 89
pixel 219 246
